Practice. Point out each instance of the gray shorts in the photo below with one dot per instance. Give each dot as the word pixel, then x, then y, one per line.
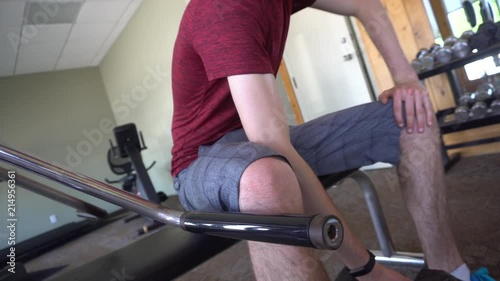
pixel 348 139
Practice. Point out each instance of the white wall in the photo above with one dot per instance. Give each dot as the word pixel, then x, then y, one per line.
pixel 137 76
pixel 65 118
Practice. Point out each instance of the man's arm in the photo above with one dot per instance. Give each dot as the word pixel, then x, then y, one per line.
pixel 262 114
pixel 374 17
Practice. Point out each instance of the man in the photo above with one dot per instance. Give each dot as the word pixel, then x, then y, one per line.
pixel 234 151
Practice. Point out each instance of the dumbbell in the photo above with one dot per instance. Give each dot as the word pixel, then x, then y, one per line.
pixel 496 84
pixel 450 41
pixel 467 35
pixel 466 100
pixel 488 28
pixel 479 109
pixel 461 48
pixel 462 113
pixel 480 41
pixel 424 61
pixel 485 36
pixel 484 92
pixel 434 47
pixel 496 37
pixel 417 65
pixel 495 106
pixel 444 54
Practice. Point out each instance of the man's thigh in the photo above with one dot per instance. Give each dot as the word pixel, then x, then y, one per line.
pixel 348 139
pixel 211 182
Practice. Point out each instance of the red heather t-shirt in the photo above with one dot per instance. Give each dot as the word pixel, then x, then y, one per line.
pixel 217 39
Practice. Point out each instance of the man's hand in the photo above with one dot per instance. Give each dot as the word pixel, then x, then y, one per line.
pixel 414 98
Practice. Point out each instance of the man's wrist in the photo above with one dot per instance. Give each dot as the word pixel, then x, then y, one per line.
pixel 404 76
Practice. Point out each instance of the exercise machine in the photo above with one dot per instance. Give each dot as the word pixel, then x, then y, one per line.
pixel 125 159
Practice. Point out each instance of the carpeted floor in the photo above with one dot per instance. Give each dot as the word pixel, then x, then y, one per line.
pixel 474 201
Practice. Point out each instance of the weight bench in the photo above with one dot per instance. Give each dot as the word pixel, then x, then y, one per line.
pixel 387 255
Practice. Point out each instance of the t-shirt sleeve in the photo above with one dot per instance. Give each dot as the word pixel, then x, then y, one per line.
pixel 231 42
pixel 301 4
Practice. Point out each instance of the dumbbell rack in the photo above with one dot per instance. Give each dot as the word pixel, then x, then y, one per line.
pixel 446 120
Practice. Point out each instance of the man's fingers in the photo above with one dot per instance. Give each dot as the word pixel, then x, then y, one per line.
pixel 429 110
pixel 410 110
pixel 398 108
pixel 384 97
pixel 420 111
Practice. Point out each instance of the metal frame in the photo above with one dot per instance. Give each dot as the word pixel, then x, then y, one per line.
pixel 387 255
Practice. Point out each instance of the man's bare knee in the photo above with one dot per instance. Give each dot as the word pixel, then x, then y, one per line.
pixel 269 185
pixel 431 135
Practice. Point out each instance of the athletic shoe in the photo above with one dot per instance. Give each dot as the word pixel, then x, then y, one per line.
pixel 481 275
pixel 434 275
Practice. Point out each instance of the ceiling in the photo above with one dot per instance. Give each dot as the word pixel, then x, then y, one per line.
pixel 48 35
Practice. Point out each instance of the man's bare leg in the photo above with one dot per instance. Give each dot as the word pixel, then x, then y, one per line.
pixel 269 186
pixel 421 176
pixel 262 191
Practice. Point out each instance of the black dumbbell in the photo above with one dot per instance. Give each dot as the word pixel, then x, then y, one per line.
pixel 466 100
pixel 461 48
pixel 479 109
pixel 444 54
pixel 495 106
pixel 496 84
pixel 467 35
pixel 496 37
pixel 434 47
pixel 417 66
pixel 480 41
pixel 425 60
pixel 450 41
pixel 462 113
pixel 484 37
pixel 488 28
pixel 484 92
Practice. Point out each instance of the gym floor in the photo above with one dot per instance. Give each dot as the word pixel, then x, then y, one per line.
pixel 474 203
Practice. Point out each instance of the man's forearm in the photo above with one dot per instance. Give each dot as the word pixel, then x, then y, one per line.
pixel 260 109
pixel 378 25
pixel 376 21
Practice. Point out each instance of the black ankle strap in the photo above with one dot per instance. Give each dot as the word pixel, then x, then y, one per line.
pixel 364 270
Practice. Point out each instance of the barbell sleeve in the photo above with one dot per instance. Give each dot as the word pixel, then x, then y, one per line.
pixel 321 232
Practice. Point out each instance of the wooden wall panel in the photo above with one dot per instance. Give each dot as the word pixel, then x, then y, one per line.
pixel 438 86
pixel 472 135
pixel 477 150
